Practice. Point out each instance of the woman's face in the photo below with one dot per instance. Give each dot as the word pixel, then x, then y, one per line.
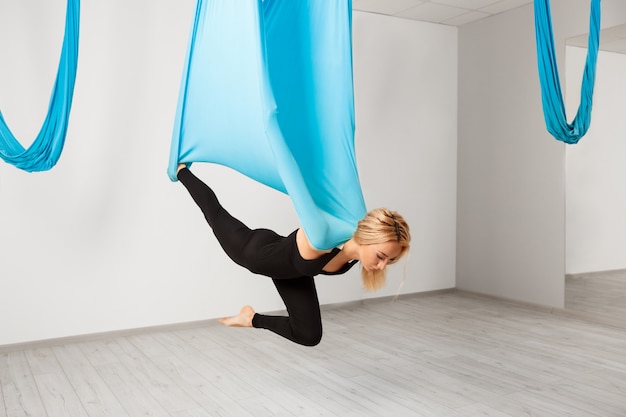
pixel 376 256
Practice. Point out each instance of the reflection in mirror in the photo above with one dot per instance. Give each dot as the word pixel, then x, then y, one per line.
pixel 595 284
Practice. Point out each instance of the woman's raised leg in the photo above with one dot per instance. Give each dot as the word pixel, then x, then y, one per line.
pixel 231 233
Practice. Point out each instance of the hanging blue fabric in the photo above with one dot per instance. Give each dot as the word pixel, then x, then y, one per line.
pixel 551 96
pixel 268 91
pixel 45 150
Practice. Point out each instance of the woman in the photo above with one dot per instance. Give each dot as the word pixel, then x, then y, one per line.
pixel 381 238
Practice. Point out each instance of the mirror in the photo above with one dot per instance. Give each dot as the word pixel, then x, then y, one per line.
pixel 595 284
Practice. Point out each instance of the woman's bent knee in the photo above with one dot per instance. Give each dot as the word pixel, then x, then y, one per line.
pixel 311 338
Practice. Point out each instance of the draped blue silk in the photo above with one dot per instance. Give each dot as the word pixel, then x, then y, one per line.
pixel 45 151
pixel 267 90
pixel 551 95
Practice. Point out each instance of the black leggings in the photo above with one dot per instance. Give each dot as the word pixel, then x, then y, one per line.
pixel 303 325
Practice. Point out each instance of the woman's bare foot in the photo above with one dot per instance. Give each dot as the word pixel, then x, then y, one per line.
pixel 243 319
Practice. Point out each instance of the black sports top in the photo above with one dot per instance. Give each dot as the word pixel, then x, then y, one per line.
pixel 278 257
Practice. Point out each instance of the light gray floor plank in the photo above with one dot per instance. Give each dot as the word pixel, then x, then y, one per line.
pixel 98 353
pixel 42 361
pixel 186 367
pixel 169 395
pixel 481 410
pixel 135 398
pixel 439 355
pixel 3 409
pixel 97 398
pixel 600 295
pixel 195 412
pixel 608 380
pixel 58 396
pixel 224 367
pixel 56 391
pixel 524 404
pixel 3 375
pixel 20 391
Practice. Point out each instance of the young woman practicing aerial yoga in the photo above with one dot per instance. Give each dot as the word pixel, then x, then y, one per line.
pixel 382 237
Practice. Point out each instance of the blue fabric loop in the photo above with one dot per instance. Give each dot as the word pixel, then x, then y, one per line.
pixel 551 95
pixel 267 90
pixel 45 150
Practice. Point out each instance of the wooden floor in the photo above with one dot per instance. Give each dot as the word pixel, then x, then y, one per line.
pixel 450 354
pixel 600 295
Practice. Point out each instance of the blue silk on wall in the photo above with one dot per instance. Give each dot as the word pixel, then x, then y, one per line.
pixel 551 95
pixel 45 150
pixel 267 90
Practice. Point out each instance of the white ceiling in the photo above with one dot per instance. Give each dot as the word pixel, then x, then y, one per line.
pixel 447 12
pixel 460 12
pixel 611 39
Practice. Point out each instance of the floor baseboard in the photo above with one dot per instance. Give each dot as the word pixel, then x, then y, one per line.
pixel 92 337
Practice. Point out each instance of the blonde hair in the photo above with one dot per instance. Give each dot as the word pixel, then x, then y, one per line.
pixel 380 226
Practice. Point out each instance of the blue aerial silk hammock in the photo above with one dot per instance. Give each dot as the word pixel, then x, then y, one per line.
pixel 267 90
pixel 45 150
pixel 551 95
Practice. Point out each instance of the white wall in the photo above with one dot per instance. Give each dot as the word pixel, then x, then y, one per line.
pixel 596 168
pixel 510 209
pixel 511 201
pixel 104 241
pixel 406 100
